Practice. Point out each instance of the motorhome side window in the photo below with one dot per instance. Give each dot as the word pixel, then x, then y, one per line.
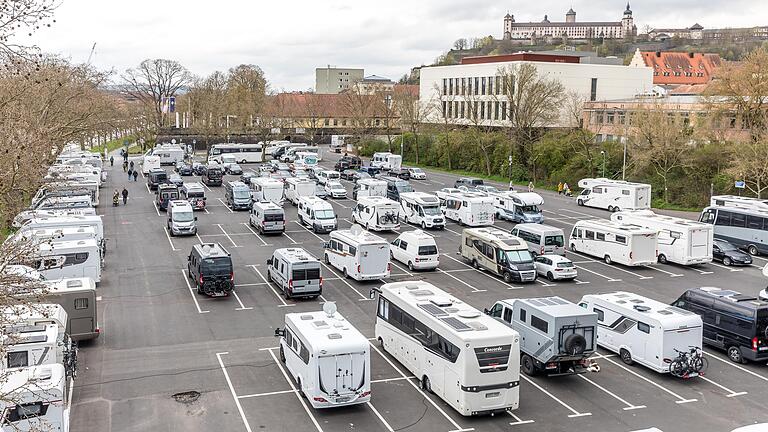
pixel 304 353
pixel 288 337
pixel 600 314
pixel 383 308
pixel 625 192
pixel 508 315
pixel 26 411
pixel 496 311
pixel 590 235
pixel 81 303
pixel 621 239
pixel 522 315
pixel 723 218
pixel 539 324
pixel 18 359
pixel 600 236
pixel 643 327
pixel 597 191
pixel 403 245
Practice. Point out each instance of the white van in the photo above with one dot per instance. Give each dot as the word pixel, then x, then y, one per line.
pixel 69 259
pixel 376 213
pixel 369 187
pixel 37 398
pixel 627 244
pixel 267 189
pixel 520 207
pixel 296 188
pixel 327 356
pixel 643 330
pixel 181 218
pixel 317 213
pixel 358 254
pixel 614 195
pixel 681 241
pixel 416 249
pixel 267 217
pixel 305 160
pixel 295 272
pixel 542 239
pixel 149 162
pixel 469 208
pixel 422 209
pixel 325 176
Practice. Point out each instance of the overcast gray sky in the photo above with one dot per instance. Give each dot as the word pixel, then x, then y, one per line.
pixel 290 38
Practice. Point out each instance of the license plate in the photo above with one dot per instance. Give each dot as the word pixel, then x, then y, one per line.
pixel 492 395
pixel 342 399
pixel 763 348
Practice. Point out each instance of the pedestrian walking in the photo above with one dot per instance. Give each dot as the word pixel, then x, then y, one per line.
pixel 135 175
pixel 116 198
pixel 111 161
pixel 125 166
pixel 130 173
pixel 511 185
pixel 125 196
pixel 130 165
pixel 530 186
pixel 560 188
pixel 566 189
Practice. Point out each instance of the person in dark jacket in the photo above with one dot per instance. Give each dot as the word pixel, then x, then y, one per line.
pixel 135 175
pixel 125 196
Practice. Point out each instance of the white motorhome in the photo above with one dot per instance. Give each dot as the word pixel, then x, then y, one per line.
pixel 67 221
pixel 627 244
pixel 465 357
pixel 498 252
pixel 681 241
pixel 69 259
pixel 416 249
pixel 267 189
pixel 291 154
pixel 327 356
pixel 519 207
pixel 36 340
pixel 376 213
pixel 469 208
pixel 614 195
pixel 296 188
pixel 78 298
pixel 70 233
pixel 64 203
pixel 27 215
pixel 422 209
pixel 325 176
pixel 369 187
pixel 317 213
pixel 295 272
pixel 168 154
pixel 194 193
pixel 305 160
pixel 643 330
pixel 738 201
pixel 67 188
pixel 37 398
pixel 149 162
pixel 70 175
pixel 358 254
pixel 387 161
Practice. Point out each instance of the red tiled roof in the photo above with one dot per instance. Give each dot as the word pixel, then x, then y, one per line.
pixel 680 67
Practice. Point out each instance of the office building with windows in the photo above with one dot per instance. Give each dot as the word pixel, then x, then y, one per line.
pixel 474 92
pixel 333 80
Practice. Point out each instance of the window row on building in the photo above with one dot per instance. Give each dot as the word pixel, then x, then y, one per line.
pixel 478 86
pixel 475 111
pixel 684 118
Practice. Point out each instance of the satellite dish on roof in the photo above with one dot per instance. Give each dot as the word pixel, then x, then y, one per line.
pixel 329 308
pixel 356 230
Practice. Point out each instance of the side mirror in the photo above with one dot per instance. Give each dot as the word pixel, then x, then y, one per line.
pixel 279 332
pixel 372 293
pixel 326 245
pixel 486 311
pixel 269 261
pixel 195 218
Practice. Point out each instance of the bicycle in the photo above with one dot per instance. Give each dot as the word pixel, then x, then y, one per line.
pixel 688 364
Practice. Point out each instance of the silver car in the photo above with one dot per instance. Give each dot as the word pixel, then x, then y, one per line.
pixel 555 267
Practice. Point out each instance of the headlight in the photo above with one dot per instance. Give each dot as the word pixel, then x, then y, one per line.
pixel 513 267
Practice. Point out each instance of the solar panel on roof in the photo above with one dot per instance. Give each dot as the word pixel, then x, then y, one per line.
pixel 724 293
pixel 559 301
pixel 432 309
pixel 535 302
pixel 456 324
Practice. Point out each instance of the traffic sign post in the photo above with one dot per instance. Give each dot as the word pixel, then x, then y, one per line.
pixel 740 184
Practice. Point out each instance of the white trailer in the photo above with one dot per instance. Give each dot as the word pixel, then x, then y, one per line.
pixel 681 241
pixel 69 259
pixel 614 195
pixel 37 398
pixel 643 330
pixel 358 254
pixel 267 189
pixel 328 357
pixel 473 209
pixel 627 244
pixel 296 188
pixel 377 213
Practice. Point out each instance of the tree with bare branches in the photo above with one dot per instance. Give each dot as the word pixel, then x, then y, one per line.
pixel 246 92
pixel 153 81
pixel 22 17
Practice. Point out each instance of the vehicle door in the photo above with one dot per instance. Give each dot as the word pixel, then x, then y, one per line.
pixel 395 250
pixel 717 253
pixel 403 255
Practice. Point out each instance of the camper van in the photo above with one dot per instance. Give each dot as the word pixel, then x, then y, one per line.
pixel 295 272
pixel 194 193
pixel 627 244
pixel 358 254
pixel 149 163
pixel 37 398
pixel 499 253
pixel 64 203
pixel 291 154
pixel 469 208
pixel 78 298
pixel 376 213
pixel 387 161
pixel 267 217
pixel 557 337
pixel 69 259
pixel 325 176
pixel 416 249
pixel 421 209
pixel 296 188
pixel 181 218
pixel 237 195
pixel 317 213
pixel 541 239
pixel 165 193
pixel 396 186
pixel 305 160
pixel 466 358
pixel 519 207
pixel 213 175
pixel 680 241
pixel 369 187
pixel 642 330
pixel 327 356
pixel 614 195
pixel 267 189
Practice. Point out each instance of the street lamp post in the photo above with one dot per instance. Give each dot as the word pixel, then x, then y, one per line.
pixel 602 152
pixel 624 163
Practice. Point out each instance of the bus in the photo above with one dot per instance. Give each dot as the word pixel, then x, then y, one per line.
pixel 746 228
pixel 244 153
pixel 467 358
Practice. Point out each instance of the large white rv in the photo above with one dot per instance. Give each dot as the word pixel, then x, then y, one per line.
pixel 627 244
pixel 469 208
pixel 498 252
pixel 465 357
pixel 369 187
pixel 376 213
pixel 78 298
pixel 37 398
pixel 66 222
pixel 27 215
pixel 681 241
pixel 69 259
pixel 614 195
pixel 643 330
pixel 422 209
pixel 296 188
pixel 520 207
pixel 168 154
pixel 267 189
pixel 328 357
pixel 387 161
pixel 739 201
pixel 35 340
pixel 358 254
pixel 67 188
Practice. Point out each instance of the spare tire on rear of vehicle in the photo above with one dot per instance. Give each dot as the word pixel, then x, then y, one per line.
pixel 575 344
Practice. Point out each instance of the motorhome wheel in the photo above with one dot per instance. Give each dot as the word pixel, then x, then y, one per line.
pixel 344 272
pixel 475 264
pixel 734 353
pixel 626 357
pixel 752 249
pixel 573 247
pixel 662 259
pixel 607 259
pixel 507 277
pixel 381 344
pixel 327 260
pixel 423 226
pixel 269 276
pixel 610 208
pixel 282 354
pixel 426 385
pixel 527 364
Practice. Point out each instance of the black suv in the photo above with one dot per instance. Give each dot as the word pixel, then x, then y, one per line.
pixel 395 187
pixel 469 182
pixel 156 176
pixel 348 162
pixel 213 175
pixel 210 267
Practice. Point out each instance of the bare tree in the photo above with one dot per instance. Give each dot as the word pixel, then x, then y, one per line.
pixel 153 81
pixel 313 110
pixel 411 112
pixel 750 164
pixel 460 44
pixel 360 107
pixel 246 92
pixel 582 139
pixel 27 17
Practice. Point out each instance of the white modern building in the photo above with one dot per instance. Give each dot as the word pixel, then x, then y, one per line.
pixel 472 93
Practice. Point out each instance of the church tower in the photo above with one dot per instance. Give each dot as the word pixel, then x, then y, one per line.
pixel 570 17
pixel 627 23
pixel 508 21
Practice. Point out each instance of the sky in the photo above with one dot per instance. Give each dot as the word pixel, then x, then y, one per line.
pixel 288 39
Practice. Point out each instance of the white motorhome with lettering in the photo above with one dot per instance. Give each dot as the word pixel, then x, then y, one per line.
pixel 614 195
pixel 422 209
pixel 376 213
pixel 627 244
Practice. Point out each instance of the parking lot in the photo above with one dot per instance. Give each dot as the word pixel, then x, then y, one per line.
pixel 162 343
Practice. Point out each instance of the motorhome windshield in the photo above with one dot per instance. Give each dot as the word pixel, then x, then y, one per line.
pixel 184 216
pixel 516 257
pixel 553 240
pixel 432 210
pixel 217 265
pixel 324 214
pixel 273 217
pixel 531 209
pixel 403 187
pixel 240 193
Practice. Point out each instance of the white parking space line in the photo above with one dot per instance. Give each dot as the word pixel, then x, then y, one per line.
pixel 578 282
pixel 700 271
pixel 461 281
pixel 730 394
pixel 271 288
pixel 437 407
pixel 518 420
pixel 168 236
pixel 156 209
pixel 194 296
pixel 309 231
pixel 664 271
pixel 205 186
pixel 450 230
pixel 242 306
pixel 225 205
pixel 509 286
pixel 732 364
pixel 578 213
pixel 149 191
pixel 225 233
pixel 628 407
pixel 298 396
pixel 362 297
pixel 615 267
pixel 401 268
pixel 680 399
pixel 340 204
pixel 553 397
pixel 254 395
pixel 610 279
pixel 232 390
pixel 725 267
pixel 375 411
pixel 289 238
pixel 254 233
pixel 206 210
pixel 538 280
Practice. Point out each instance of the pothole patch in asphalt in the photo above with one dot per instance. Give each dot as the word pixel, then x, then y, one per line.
pixel 186 397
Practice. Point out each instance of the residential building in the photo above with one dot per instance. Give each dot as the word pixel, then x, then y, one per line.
pixel 570 28
pixel 373 84
pixel 698 32
pixel 333 80
pixel 473 93
pixel 678 68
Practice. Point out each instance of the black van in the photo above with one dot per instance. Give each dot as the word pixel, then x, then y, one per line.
pixel 210 267
pixel 213 175
pixel 166 193
pixel 734 322
pixel 395 187
pixel 155 177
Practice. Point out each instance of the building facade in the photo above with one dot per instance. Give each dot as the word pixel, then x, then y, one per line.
pixel 333 80
pixel 678 68
pixel 570 28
